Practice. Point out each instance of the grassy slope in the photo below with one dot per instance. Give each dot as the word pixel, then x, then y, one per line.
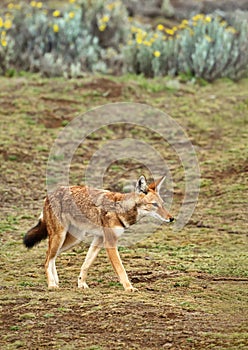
pixel 193 284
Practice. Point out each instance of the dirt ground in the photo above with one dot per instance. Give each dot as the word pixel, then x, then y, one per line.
pixel 192 285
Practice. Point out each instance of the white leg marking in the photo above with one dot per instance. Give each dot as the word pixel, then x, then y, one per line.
pixel 91 255
pixel 52 274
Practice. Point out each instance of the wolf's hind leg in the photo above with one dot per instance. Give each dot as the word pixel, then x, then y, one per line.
pixel 56 240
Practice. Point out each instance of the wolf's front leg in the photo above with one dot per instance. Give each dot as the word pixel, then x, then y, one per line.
pixel 116 262
pixel 92 253
pixel 114 257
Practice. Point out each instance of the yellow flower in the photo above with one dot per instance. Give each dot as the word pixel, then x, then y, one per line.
pixel 185 22
pixel 208 38
pixel 198 17
pixel 3 42
pixel 56 13
pixel 110 6
pixel 105 19
pixel 157 53
pixel 182 26
pixel 155 35
pixel 102 27
pixel 55 28
pixel 208 19
pixel 140 36
pixel 39 5
pixel 7 24
pixel 175 28
pixel 1 22
pixel 147 43
pixel 71 14
pixel 223 23
pixel 169 31
pixel 3 34
pixel 134 29
pixel 33 3
pixel 160 27
pixel 71 1
pixel 231 30
pixel 11 6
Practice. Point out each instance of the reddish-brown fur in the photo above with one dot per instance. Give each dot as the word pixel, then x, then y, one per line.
pixel 70 213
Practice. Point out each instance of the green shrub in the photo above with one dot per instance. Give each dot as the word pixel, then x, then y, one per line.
pixel 62 42
pixel 96 35
pixel 205 47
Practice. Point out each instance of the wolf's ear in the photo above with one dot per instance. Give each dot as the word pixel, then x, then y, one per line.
pixel 157 184
pixel 141 185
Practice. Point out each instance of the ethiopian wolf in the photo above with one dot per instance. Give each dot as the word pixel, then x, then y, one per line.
pixel 71 213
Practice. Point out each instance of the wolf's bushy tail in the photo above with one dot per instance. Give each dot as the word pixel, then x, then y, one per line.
pixel 35 234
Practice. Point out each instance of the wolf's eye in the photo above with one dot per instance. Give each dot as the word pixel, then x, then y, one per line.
pixel 155 204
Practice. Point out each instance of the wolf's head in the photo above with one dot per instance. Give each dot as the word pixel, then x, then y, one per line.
pixel 150 203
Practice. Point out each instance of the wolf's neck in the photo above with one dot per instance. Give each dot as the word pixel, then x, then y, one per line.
pixel 127 209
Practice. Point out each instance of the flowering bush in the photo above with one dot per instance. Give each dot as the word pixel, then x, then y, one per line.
pixel 97 35
pixel 61 42
pixel 205 46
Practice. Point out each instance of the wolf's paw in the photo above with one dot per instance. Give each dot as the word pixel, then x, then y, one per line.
pixel 53 287
pixel 82 285
pixel 131 289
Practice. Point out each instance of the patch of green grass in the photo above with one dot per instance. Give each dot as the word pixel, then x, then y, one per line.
pixel 27 316
pixel 26 284
pixel 64 309
pixel 30 121
pixel 49 315
pixel 184 282
pixel 187 305
pixel 115 284
pixel 42 148
pixel 10 223
pixel 65 122
pixel 12 157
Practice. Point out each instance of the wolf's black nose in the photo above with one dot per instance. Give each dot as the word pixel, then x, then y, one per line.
pixel 171 219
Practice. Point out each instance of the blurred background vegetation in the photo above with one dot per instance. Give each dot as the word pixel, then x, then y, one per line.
pixel 153 38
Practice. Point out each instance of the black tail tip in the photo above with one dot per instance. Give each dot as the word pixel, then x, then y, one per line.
pixel 35 235
pixel 27 242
